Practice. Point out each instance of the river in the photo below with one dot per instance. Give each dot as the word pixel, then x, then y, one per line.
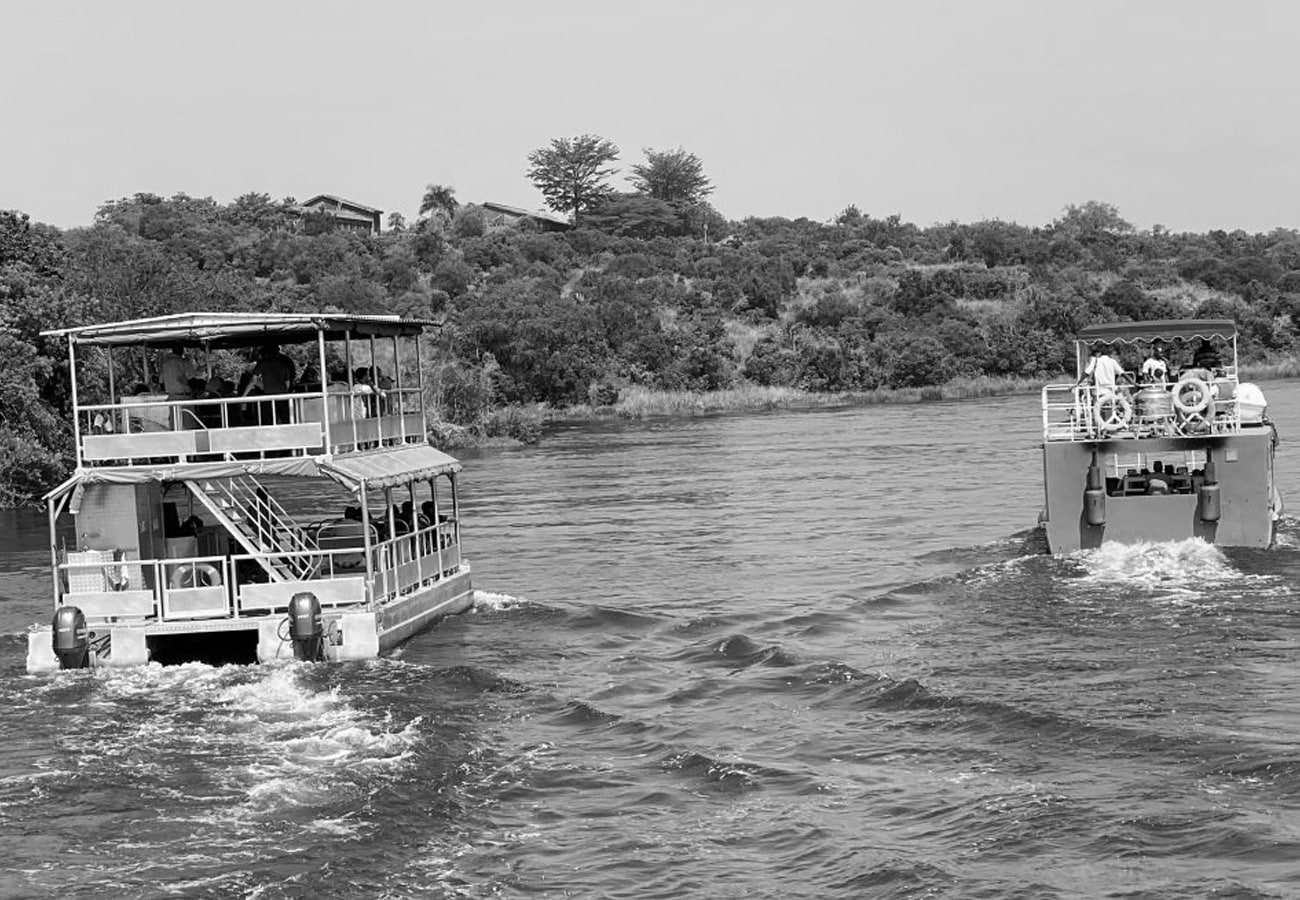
pixel 798 653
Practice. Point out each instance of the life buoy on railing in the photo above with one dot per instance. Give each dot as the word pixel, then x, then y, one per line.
pixel 196 575
pixel 1113 412
pixel 1191 395
pixel 1194 423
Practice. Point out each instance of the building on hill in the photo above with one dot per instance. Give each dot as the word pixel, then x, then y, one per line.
pixel 498 215
pixel 346 214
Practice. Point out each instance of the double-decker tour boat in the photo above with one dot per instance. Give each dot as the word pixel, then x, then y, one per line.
pixel 296 511
pixel 1164 448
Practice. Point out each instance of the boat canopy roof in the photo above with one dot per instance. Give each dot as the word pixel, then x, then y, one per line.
pixel 376 469
pixel 1166 329
pixel 389 468
pixel 227 329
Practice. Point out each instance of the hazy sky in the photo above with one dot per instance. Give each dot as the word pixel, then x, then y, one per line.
pixel 1181 113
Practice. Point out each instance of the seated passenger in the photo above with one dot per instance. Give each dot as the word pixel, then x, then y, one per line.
pixel 1206 356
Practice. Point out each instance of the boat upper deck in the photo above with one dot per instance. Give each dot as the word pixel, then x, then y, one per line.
pixel 204 387
pixel 1170 378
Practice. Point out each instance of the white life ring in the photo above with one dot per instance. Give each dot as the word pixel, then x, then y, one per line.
pixel 1113 412
pixel 197 575
pixel 1194 423
pixel 1199 392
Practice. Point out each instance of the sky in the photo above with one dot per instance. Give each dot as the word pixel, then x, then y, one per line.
pixel 1179 112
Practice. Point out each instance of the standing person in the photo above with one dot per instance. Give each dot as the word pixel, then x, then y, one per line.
pixel 1103 370
pixel 1155 369
pixel 275 370
pixel 273 374
pixel 175 372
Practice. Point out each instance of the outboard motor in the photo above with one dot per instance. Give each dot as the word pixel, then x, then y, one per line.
pixel 1208 501
pixel 71 638
pixel 1094 495
pixel 305 628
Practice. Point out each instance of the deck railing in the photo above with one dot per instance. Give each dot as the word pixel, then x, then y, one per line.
pixel 1082 412
pixel 153 426
pixel 107 589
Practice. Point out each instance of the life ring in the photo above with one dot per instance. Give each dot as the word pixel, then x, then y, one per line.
pixel 1199 393
pixel 197 575
pixel 1194 423
pixel 1113 412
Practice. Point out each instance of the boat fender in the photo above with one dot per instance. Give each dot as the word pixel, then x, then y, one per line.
pixel 1208 501
pixel 305 627
pixel 1113 412
pixel 71 638
pixel 196 575
pixel 1094 496
pixel 1191 395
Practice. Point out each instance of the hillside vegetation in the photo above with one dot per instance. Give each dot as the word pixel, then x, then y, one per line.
pixel 631 304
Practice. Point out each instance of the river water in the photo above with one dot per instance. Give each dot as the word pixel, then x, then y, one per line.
pixel 815 654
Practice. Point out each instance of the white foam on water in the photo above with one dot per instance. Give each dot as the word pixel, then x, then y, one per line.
pixel 1171 567
pixel 486 601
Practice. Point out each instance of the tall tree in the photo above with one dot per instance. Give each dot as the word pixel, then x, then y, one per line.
pixel 674 176
pixel 439 198
pixel 573 173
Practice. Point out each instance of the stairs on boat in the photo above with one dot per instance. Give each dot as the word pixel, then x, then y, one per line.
pixel 261 525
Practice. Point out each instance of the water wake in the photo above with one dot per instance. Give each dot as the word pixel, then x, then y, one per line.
pixel 1190 565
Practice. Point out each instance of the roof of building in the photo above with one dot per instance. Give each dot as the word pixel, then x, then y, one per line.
pixel 218 329
pixel 340 201
pixel 527 213
pixel 1167 329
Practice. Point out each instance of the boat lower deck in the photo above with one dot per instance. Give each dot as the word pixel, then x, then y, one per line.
pixel 346 633
pixel 1217 488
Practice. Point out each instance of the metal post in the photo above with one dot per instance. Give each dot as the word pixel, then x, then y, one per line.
pixel 76 406
pixel 419 396
pixel 324 391
pixel 397 382
pixel 365 541
pixel 54 549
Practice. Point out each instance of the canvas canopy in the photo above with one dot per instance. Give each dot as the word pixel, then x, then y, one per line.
pixel 390 468
pixel 1166 329
pixel 239 329
pixel 379 469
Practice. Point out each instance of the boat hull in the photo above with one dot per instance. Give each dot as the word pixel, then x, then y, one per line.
pixel 351 633
pixel 1244 467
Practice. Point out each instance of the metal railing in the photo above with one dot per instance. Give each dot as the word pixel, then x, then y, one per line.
pixel 208 587
pixel 152 426
pixel 1082 412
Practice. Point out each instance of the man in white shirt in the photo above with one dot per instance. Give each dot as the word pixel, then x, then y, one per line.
pixel 1103 369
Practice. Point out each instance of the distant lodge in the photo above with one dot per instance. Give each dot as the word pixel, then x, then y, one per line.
pixel 351 216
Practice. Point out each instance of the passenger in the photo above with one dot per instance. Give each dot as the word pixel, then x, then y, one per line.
pixel 275 370
pixel 1155 369
pixel 175 372
pixel 1206 356
pixel 273 374
pixel 1103 371
pixel 309 381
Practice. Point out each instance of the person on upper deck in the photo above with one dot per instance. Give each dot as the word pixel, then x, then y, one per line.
pixel 175 372
pixel 1103 370
pixel 1155 368
pixel 1206 356
pixel 274 370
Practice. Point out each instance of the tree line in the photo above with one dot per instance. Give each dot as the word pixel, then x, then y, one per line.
pixel 650 287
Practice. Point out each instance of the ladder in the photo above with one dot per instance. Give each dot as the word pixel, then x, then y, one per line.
pixel 260 524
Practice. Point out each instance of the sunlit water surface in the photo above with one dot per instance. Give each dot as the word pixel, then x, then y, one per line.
pixel 811 653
